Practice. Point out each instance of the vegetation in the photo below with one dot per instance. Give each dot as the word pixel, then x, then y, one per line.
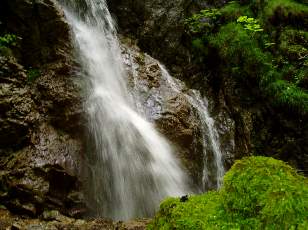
pixel 258 193
pixel 8 40
pixel 33 74
pixel 250 24
pixel 252 48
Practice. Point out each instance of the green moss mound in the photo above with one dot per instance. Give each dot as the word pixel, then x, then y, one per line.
pixel 258 193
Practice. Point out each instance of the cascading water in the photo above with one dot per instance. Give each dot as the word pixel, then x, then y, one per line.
pixel 209 132
pixel 132 167
pixel 167 88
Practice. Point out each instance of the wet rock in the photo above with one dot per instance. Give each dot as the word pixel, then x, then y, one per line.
pixel 158 27
pixel 51 215
pixel 164 106
pixel 58 221
pixel 134 225
pixel 165 102
pixel 17 109
pixel 41 116
pixel 16 226
pixel 41 26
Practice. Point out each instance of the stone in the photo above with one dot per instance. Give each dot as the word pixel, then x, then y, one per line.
pixel 39 149
pixel 51 215
pixel 166 105
pixel 16 226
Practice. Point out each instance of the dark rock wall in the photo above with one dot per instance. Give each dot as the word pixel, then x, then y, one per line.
pixel 41 112
pixel 157 24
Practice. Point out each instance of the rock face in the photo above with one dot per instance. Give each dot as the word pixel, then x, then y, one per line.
pixel 167 108
pixel 158 26
pixel 41 113
pixel 168 103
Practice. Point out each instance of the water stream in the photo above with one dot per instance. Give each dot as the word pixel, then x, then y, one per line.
pixel 209 132
pixel 131 166
pixel 154 97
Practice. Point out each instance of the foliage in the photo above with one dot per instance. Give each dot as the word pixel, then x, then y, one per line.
pixel 237 45
pixel 8 40
pixel 202 21
pixel 294 44
pixel 33 74
pixel 286 93
pixel 250 24
pixel 258 193
pixel 232 10
pixel 251 49
pixel 285 8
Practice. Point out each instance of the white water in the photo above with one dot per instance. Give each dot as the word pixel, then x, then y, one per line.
pixel 132 167
pixel 209 132
pixel 154 97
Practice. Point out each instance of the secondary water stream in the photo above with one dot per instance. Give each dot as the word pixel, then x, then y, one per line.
pixel 209 132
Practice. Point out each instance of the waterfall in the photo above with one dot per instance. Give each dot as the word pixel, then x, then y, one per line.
pixel 209 132
pixel 131 166
pixel 153 98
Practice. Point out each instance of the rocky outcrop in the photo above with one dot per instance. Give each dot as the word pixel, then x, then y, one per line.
pixel 168 103
pixel 166 107
pixel 53 220
pixel 41 113
pixel 158 26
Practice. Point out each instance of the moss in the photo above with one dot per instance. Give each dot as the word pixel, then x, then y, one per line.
pixel 293 44
pixel 286 12
pixel 266 189
pixel 233 10
pixel 203 22
pixel 288 6
pixel 289 94
pixel 237 45
pixel 196 213
pixel 8 40
pixel 258 193
pixel 33 74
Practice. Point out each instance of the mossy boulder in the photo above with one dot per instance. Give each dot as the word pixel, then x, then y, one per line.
pixel 258 193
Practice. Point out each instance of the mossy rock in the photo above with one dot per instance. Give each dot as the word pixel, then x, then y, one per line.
pixel 293 44
pixel 287 12
pixel 233 10
pixel 258 193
